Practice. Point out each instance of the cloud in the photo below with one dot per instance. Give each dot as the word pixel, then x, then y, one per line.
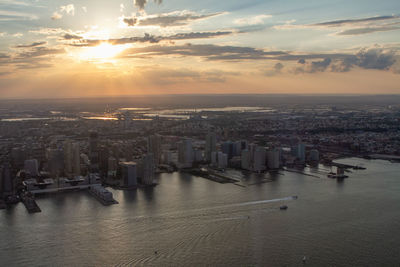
pixel 67 9
pixel 56 16
pixel 375 59
pixel 254 20
pixel 142 3
pixel 372 58
pixel 349 27
pixel 276 70
pixel 32 57
pixel 130 21
pixel 320 66
pixel 358 31
pixel 176 18
pixel 147 38
pixel 48 31
pixel 301 61
pixel 206 51
pixel 39 52
pixel 337 23
pixel 8 15
pixel 31 45
pixel 278 67
pixel 69 36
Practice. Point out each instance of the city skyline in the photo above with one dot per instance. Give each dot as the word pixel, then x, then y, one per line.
pixel 51 49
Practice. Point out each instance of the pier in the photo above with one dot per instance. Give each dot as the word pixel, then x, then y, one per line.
pixel 30 202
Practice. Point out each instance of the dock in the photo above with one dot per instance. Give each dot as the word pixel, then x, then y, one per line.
pixel 212 175
pixel 347 166
pixel 30 203
pixel 104 196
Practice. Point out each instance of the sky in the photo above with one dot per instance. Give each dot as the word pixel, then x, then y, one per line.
pixel 86 48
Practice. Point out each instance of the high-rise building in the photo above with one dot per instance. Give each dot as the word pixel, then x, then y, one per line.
pixel 7 184
pixel 128 174
pixel 222 160
pixel 112 167
pixel 273 158
pixel 167 157
pixel 154 147
pixel 246 160
pixel 32 167
pixel 104 155
pixel 94 151
pixel 198 155
pixel 259 159
pixel 237 148
pixel 301 152
pixel 244 144
pixel 211 145
pixel 67 148
pixel 254 158
pixel 314 155
pixel 185 153
pixel 76 159
pixel 72 163
pixel 228 149
pixel 214 156
pixel 148 168
pixel 18 155
pixel 55 160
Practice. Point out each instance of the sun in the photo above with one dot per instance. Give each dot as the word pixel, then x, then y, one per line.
pixel 101 51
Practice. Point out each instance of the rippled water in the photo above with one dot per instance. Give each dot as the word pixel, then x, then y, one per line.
pixel 192 221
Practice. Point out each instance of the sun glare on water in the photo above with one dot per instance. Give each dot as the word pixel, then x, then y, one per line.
pixel 100 52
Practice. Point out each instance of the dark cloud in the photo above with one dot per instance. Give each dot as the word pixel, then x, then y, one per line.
pixel 31 45
pixel 374 58
pixel 167 19
pixel 69 36
pixel 130 21
pixel 40 51
pixel 276 70
pixel 32 58
pixel 320 66
pixel 359 31
pixel 207 51
pixel 337 23
pixel 278 67
pixel 301 61
pixel 33 65
pixel 142 3
pixel 148 38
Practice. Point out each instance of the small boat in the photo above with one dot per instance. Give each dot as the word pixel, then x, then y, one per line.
pixel 284 207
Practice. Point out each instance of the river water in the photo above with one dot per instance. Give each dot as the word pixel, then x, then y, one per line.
pixel 191 221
